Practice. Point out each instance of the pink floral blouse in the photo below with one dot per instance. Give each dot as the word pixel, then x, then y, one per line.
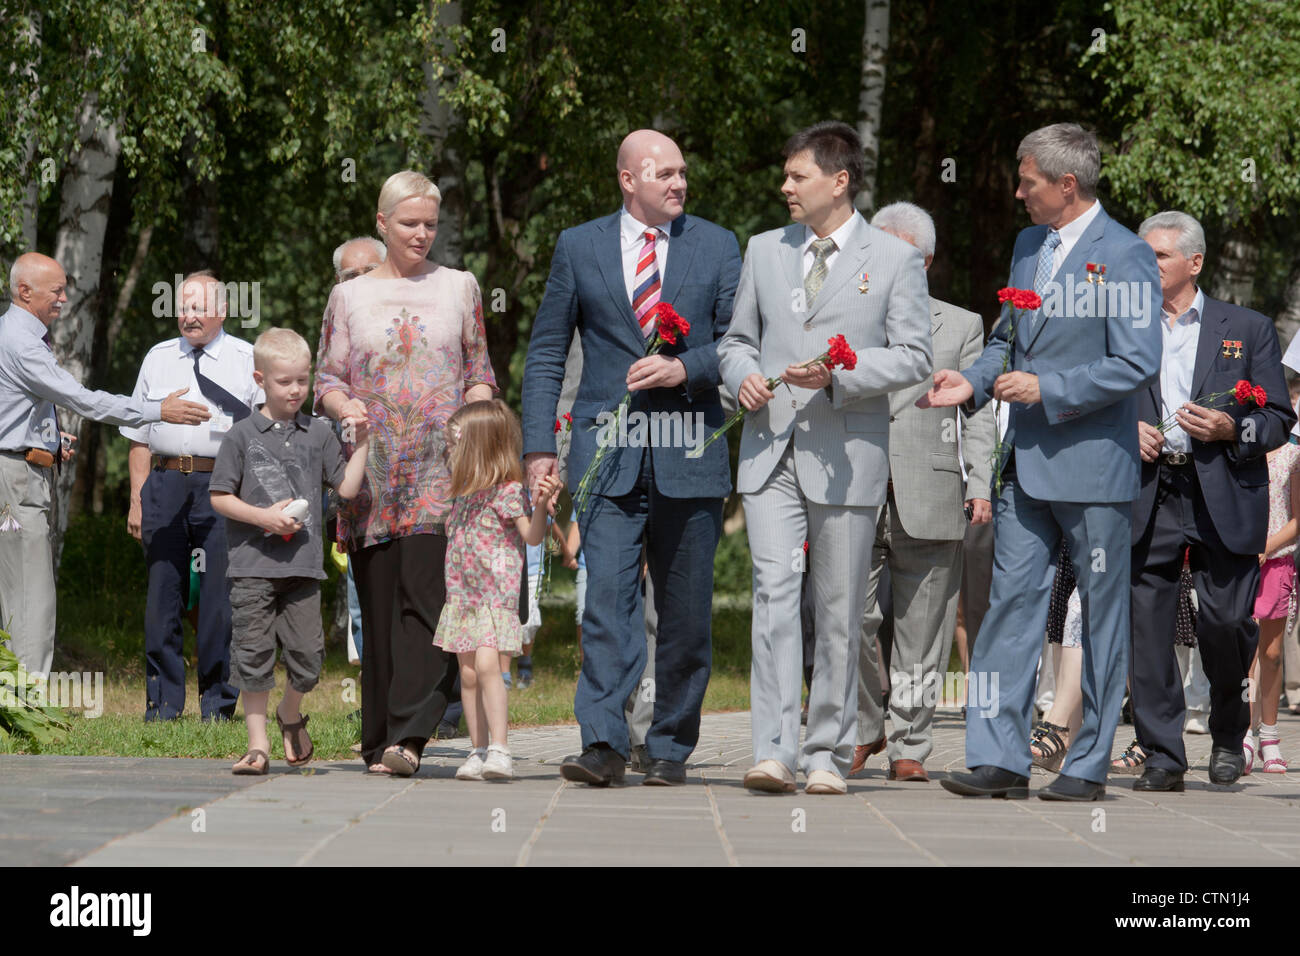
pixel 1283 463
pixel 409 349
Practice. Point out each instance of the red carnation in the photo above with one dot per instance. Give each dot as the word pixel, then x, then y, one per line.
pixel 569 419
pixel 840 354
pixel 1004 295
pixel 668 324
pixel 1243 391
pixel 1260 396
pixel 557 426
pixel 1027 299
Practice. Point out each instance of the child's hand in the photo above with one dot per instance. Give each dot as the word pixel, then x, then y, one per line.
pixel 275 521
pixel 547 489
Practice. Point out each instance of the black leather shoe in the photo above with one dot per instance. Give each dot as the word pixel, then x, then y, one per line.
pixel 1065 787
pixel 665 773
pixel 1226 765
pixel 599 765
pixel 987 782
pixel 640 761
pixel 1159 780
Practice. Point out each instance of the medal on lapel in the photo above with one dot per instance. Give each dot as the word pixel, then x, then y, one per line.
pixel 1096 272
pixel 1232 348
pixel 866 279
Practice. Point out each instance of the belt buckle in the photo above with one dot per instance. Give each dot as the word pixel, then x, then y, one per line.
pixel 1176 458
pixel 185 463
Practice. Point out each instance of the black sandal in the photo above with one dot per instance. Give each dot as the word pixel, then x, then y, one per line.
pixel 1130 761
pixel 402 760
pixel 297 734
pixel 1046 737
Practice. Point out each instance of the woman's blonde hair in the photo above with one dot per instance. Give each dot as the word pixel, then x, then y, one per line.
pixel 408 184
pixel 487 449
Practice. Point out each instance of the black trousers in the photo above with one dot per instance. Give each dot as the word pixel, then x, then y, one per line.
pixel 405 681
pixel 1226 633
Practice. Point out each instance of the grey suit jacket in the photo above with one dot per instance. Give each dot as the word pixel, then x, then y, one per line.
pixel 923 442
pixel 840 433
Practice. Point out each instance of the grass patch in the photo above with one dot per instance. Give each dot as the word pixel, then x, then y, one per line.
pixel 101 620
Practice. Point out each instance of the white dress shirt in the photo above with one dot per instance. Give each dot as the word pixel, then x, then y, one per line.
pixel 169 365
pixel 32 383
pixel 632 231
pixel 1181 336
pixel 1071 233
pixel 840 235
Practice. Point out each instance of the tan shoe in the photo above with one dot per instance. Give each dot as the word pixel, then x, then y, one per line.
pixel 770 776
pixel 862 752
pixel 825 782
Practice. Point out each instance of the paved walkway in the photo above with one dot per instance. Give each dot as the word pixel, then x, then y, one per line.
pixel 95 811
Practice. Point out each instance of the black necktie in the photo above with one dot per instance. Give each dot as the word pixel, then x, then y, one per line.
pixel 215 393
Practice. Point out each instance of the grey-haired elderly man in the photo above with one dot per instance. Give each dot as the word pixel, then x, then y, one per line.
pixel 358 256
pixel 1205 491
pixel 31 385
pixel 920 530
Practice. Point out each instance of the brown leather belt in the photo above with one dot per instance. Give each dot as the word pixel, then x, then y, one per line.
pixel 184 463
pixel 39 457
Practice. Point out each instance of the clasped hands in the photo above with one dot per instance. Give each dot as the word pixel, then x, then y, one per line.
pixel 952 388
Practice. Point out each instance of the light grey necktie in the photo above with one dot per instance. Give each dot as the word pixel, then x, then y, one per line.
pixel 812 283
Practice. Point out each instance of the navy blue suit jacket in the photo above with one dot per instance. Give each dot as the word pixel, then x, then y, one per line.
pixel 586 292
pixel 1233 475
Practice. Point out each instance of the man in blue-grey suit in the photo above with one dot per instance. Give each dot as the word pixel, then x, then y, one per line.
pixel 1069 466
pixel 606 278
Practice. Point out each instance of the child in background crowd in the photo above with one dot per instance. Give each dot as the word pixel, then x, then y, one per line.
pixel 268 460
pixel 486 534
pixel 1277 576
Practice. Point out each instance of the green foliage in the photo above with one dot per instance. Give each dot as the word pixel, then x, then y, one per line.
pixel 25 721
pixel 1205 92
pixel 733 570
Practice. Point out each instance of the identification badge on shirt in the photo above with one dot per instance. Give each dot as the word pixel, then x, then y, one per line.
pixel 219 424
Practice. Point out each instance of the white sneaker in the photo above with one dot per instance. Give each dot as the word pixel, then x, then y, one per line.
pixel 1195 723
pixel 472 769
pixel 498 765
pixel 825 782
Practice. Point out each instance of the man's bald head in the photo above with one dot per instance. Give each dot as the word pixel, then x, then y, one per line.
pixel 652 177
pixel 38 284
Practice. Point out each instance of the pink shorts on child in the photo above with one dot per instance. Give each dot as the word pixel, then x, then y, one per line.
pixel 1276 582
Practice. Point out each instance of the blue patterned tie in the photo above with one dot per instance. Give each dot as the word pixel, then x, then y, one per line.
pixel 1045 254
pixel 1043 274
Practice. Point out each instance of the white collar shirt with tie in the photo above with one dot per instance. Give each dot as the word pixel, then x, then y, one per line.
pixel 1071 233
pixel 169 365
pixel 840 236
pixel 632 234
pixel 1182 334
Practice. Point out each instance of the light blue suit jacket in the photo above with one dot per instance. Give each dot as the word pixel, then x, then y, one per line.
pixel 1080 442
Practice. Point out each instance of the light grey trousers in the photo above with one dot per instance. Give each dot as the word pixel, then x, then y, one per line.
pixel 925 576
pixel 27 597
pixel 779 520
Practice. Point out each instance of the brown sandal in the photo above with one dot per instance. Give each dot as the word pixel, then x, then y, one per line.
pixel 297 735
pixel 247 765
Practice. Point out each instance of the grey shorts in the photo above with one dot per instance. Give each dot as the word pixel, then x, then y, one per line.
pixel 266 612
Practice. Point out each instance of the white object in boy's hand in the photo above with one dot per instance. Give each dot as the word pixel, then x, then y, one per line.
pixel 297 510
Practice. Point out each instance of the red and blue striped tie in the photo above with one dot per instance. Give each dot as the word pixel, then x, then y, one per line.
pixel 645 287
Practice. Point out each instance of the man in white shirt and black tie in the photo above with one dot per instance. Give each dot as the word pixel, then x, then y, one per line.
pixel 170 512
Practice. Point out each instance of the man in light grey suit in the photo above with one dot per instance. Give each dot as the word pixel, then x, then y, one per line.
pixel 814 460
pixel 919 534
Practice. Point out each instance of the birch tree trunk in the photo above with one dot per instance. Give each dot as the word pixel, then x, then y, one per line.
pixel 1287 322
pixel 83 221
pixel 437 124
pixel 875 47
pixel 1234 277
pixel 26 65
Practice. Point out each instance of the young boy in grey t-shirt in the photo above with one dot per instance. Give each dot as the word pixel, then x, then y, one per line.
pixel 268 460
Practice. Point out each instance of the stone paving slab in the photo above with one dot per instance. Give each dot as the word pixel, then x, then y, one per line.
pixel 124 812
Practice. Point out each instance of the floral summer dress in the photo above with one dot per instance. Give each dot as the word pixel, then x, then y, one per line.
pixel 485 558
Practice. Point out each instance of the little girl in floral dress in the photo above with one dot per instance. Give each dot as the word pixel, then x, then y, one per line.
pixel 486 533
